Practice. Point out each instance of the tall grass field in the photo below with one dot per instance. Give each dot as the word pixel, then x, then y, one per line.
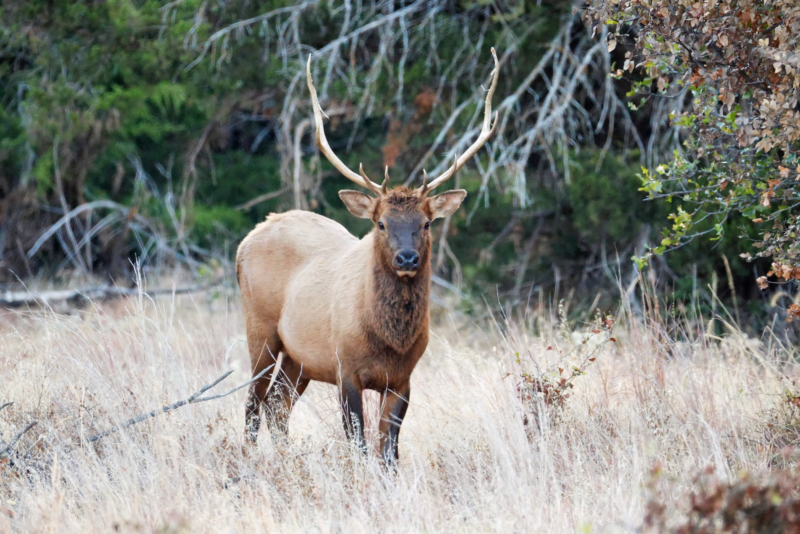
pixel 523 422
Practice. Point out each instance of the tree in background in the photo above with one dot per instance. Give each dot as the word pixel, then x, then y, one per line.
pixel 728 74
pixel 165 130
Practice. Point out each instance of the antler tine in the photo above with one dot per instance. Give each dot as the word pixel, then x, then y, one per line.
pixel 364 175
pixel 486 131
pixel 455 166
pixel 385 184
pixel 325 148
pixel 424 189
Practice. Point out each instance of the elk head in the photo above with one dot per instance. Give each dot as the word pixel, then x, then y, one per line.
pixel 403 216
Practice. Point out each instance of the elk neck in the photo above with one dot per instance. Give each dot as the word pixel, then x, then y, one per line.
pixel 398 311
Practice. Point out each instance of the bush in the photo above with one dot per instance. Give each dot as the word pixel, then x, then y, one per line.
pixel 767 503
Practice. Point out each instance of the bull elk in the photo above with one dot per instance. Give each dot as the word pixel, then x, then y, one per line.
pixel 320 304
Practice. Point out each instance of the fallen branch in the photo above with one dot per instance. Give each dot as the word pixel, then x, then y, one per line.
pixel 7 450
pixel 79 297
pixel 194 399
pixel 5 405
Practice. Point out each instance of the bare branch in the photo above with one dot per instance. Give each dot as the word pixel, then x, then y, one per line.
pixel 193 399
pixel 224 33
pixel 11 444
pixel 237 388
pixel 74 253
pixel 261 198
pixel 299 131
pixel 168 408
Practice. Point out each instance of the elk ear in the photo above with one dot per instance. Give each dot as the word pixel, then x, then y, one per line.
pixel 446 204
pixel 359 204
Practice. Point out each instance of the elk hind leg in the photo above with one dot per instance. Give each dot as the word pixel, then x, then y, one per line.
pixel 353 411
pixel 287 388
pixel 264 347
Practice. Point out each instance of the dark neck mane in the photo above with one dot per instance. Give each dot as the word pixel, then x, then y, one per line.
pixel 400 307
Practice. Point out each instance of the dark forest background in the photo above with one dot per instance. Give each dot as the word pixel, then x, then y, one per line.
pixel 164 132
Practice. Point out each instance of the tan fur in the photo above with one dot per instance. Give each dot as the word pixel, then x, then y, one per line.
pixel 334 306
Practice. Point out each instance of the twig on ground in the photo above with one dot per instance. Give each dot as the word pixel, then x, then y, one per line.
pixel 194 399
pixel 7 404
pixel 8 448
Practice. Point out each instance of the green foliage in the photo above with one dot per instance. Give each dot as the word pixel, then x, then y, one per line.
pixel 601 206
pixel 12 149
pixel 604 197
pixel 217 224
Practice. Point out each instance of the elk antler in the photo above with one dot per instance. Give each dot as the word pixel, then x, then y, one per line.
pixel 325 148
pixel 486 132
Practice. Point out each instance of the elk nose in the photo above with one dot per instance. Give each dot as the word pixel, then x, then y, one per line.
pixel 406 260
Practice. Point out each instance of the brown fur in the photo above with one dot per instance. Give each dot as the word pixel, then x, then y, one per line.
pixel 400 307
pixel 335 305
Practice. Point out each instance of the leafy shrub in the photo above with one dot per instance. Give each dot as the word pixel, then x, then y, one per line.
pixel 767 503
pixel 544 391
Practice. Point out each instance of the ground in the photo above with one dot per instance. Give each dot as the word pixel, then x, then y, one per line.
pixel 474 457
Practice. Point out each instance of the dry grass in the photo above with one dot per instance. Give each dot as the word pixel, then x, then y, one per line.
pixel 468 463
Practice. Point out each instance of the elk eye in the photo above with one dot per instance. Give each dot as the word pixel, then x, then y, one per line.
pixel 381 226
pixel 427 224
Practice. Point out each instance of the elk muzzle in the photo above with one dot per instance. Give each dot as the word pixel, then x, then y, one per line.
pixel 406 263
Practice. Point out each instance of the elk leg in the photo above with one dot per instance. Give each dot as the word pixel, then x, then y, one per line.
pixel 395 405
pixel 286 390
pixel 353 412
pixel 262 348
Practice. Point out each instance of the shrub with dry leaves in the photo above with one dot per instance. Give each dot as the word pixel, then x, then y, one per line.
pixel 767 503
pixel 544 390
pixel 732 67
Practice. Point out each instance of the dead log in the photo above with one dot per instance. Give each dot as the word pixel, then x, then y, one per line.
pixel 80 297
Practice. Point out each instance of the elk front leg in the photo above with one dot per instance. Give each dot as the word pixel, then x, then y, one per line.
pixel 353 411
pixel 395 405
